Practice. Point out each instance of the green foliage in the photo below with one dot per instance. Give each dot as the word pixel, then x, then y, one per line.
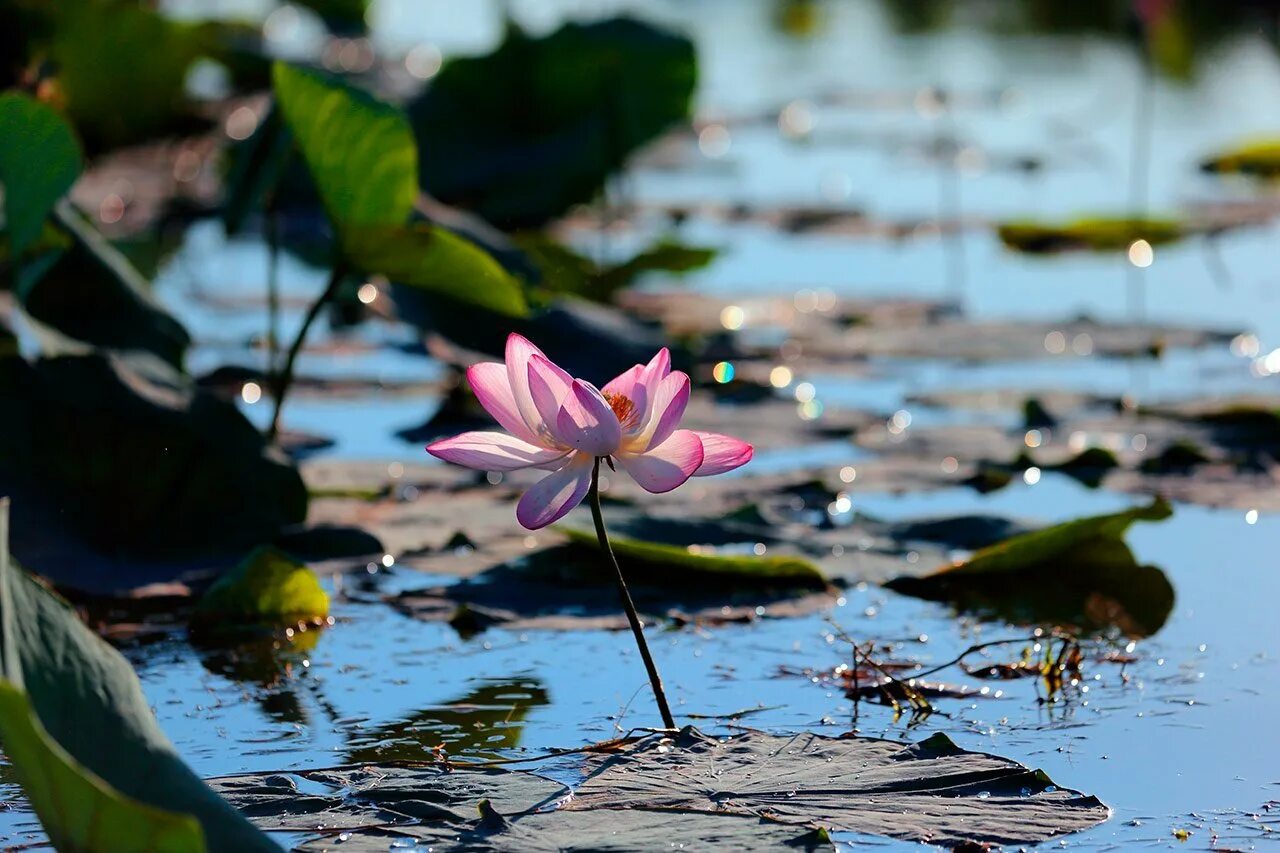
pixel 77 809
pixel 650 560
pixel 1097 234
pixel 564 271
pixel 1079 573
pixel 39 161
pixel 359 150
pixel 65 275
pixel 85 746
pixel 363 160
pixel 121 67
pixel 1259 159
pixel 521 135
pixel 268 589
pixel 663 256
pixel 1170 45
pixel 437 260
pixel 8 343
pixel 1059 540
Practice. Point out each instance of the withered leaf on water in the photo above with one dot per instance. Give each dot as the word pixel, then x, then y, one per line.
pixel 746 792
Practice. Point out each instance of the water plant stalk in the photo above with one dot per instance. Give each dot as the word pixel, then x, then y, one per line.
pixel 637 626
pixel 285 377
pixel 273 289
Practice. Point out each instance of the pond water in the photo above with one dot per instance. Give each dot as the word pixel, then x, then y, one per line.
pixel 1175 740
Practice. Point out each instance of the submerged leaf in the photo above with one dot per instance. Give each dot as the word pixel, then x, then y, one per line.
pixel 650 561
pixel 1099 234
pixel 1089 466
pixel 566 589
pixel 1180 456
pixel 1079 573
pixel 634 831
pixel 87 700
pixel 267 589
pixel 39 161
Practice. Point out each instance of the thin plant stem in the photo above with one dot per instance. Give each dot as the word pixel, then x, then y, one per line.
pixel 285 377
pixel 273 290
pixel 637 627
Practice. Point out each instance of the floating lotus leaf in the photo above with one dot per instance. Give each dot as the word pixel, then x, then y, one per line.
pixel 930 791
pixel 751 791
pixel 1078 573
pixel 1259 159
pixel 1098 234
pixel 655 560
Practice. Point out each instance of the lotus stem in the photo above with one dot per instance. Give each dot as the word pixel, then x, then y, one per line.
pixel 273 289
pixel 637 626
pixel 285 378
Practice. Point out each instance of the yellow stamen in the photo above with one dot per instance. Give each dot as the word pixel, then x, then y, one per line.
pixel 623 409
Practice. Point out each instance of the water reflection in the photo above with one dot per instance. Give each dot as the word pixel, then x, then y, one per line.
pixel 479 725
pixel 274 665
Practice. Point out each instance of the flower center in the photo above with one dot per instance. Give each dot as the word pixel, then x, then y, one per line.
pixel 624 410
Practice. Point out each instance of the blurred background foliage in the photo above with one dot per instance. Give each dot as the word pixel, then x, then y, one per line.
pixel 443 186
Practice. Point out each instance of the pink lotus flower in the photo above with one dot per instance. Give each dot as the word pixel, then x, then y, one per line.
pixel 561 424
